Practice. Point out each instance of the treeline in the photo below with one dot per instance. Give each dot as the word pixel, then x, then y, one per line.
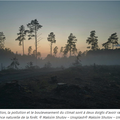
pixel 100 57
pixel 10 59
pixel 70 46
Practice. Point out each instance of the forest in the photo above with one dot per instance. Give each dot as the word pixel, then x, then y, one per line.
pixel 88 79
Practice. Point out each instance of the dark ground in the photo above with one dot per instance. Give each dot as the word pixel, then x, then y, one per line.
pixel 86 87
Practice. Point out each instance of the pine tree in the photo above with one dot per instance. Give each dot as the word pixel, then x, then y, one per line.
pixel 51 38
pixel 93 40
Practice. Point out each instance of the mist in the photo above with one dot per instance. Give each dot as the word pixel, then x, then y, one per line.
pixel 99 57
pixel 86 37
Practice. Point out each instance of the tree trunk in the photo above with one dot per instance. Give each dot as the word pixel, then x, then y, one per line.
pixel 36 43
pixel 51 48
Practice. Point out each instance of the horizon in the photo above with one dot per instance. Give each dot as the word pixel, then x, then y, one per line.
pixel 62 18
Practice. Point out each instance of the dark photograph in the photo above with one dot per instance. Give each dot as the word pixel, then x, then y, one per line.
pixel 60 55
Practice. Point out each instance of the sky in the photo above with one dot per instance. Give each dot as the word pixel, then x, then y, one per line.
pixel 62 18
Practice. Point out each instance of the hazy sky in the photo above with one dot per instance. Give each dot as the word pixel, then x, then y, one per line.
pixel 62 18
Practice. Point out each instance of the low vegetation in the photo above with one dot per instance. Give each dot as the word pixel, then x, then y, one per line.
pixel 93 86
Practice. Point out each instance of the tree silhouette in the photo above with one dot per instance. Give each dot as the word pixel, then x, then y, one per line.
pixel 34 52
pixel 113 39
pixel 55 50
pixel 61 50
pixel 93 40
pixel 34 26
pixel 77 61
pixel 66 50
pixel 39 54
pixel 71 45
pixel 29 65
pixel 29 50
pixel 2 40
pixel 106 45
pixel 14 63
pixel 74 50
pixel 21 36
pixel 8 50
pixel 51 38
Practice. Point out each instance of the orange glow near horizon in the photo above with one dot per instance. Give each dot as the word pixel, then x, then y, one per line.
pixel 61 18
pixel 44 45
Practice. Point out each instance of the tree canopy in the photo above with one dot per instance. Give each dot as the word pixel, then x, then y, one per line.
pixel 21 36
pixel 29 50
pixel 71 45
pixel 106 45
pixel 93 40
pixel 113 39
pixel 55 50
pixel 2 40
pixel 14 63
pixel 33 26
pixel 51 38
